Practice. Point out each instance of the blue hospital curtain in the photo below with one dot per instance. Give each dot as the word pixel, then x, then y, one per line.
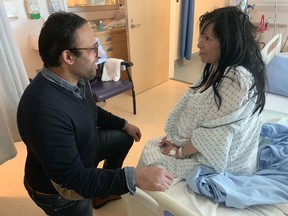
pixel 186 28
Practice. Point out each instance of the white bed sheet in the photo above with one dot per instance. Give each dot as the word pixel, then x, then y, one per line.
pixel 203 206
pixel 277 103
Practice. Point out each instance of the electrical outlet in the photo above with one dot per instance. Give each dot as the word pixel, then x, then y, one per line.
pixel 11 9
pixel 281 25
pixel 54 5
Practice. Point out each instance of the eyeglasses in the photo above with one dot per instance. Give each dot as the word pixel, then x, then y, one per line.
pixel 94 48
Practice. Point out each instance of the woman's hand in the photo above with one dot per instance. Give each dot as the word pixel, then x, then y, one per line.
pixel 167 148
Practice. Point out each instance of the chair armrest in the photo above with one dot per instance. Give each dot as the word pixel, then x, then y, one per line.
pixel 127 63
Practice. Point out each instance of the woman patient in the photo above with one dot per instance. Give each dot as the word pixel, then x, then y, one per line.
pixel 217 121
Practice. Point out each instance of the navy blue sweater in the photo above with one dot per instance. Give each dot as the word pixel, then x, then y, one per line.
pixel 60 132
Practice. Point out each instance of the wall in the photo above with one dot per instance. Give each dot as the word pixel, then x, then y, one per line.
pixel 269 8
pixel 22 27
pixel 201 6
pixel 174 34
pixel 175 8
pixel 275 13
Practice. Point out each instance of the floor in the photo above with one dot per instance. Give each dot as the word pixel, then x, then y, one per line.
pixel 188 71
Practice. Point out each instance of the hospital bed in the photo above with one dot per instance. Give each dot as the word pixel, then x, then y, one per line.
pixel 180 200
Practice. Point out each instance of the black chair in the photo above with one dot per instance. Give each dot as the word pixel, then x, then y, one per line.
pixel 103 90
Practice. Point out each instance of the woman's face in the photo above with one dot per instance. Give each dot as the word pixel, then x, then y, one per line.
pixel 209 46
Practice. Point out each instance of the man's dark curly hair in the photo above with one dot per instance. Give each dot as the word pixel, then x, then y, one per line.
pixel 58 34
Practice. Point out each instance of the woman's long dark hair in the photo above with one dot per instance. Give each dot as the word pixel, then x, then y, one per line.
pixel 239 47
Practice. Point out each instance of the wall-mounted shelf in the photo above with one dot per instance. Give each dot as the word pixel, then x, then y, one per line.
pixel 92 8
pixel 88 6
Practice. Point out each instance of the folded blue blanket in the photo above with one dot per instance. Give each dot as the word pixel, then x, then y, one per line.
pixel 269 185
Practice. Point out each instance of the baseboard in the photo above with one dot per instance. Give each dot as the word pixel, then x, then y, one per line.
pixel 195 57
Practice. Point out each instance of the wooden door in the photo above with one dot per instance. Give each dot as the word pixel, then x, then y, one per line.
pixel 148 41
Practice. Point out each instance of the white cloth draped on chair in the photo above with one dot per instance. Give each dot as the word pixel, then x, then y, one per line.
pixel 13 81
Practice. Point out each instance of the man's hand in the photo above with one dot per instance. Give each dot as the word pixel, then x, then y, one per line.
pixel 133 131
pixel 153 178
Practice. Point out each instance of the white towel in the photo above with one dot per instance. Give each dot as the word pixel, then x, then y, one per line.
pixel 111 69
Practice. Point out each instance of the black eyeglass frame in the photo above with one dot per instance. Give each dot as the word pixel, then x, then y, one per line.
pixel 95 49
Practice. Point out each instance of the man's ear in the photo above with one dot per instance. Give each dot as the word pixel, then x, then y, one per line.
pixel 67 57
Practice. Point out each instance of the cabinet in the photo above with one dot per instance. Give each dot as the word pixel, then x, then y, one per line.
pixel 114 43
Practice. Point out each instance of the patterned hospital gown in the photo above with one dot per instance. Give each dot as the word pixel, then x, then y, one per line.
pixel 227 139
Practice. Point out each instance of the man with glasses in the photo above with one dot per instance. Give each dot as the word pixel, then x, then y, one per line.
pixel 67 134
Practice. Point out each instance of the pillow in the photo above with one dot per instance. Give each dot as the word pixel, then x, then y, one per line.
pixel 277 75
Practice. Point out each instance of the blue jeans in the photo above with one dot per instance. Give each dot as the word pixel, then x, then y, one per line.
pixel 114 146
pixel 55 205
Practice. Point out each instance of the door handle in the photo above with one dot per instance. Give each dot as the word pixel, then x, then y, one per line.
pixel 135 25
